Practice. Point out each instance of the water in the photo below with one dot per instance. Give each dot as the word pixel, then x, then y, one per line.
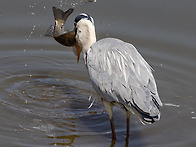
pixel 44 92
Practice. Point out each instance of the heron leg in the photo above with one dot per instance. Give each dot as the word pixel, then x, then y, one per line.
pixel 128 114
pixel 109 108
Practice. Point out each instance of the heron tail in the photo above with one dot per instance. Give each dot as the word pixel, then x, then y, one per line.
pixel 147 118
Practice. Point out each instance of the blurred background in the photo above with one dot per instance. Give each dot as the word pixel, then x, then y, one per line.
pixel 44 93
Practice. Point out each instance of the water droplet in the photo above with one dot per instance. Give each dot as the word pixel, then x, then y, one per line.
pixel 92 1
pixel 34 27
pixel 193 117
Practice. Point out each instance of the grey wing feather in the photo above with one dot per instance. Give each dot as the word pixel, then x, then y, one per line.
pixel 120 74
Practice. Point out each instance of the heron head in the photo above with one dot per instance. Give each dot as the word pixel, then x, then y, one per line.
pixel 84 33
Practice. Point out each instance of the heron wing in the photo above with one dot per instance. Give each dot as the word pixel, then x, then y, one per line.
pixel 120 74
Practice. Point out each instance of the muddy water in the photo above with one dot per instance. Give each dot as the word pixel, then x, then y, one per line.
pixel 44 93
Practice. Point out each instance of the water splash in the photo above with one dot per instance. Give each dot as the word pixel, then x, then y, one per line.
pixel 171 105
pixel 72 3
pixel 193 117
pixel 31 33
pixel 37 125
pixel 92 1
pixel 91 104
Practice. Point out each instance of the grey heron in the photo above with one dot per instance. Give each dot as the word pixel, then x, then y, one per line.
pixel 118 73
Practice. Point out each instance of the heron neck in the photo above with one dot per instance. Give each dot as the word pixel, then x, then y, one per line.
pixel 85 36
pixel 90 39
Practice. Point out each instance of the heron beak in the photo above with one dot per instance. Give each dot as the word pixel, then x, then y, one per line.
pixel 78 51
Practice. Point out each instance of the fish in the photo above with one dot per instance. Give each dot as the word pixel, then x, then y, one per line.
pixel 66 38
